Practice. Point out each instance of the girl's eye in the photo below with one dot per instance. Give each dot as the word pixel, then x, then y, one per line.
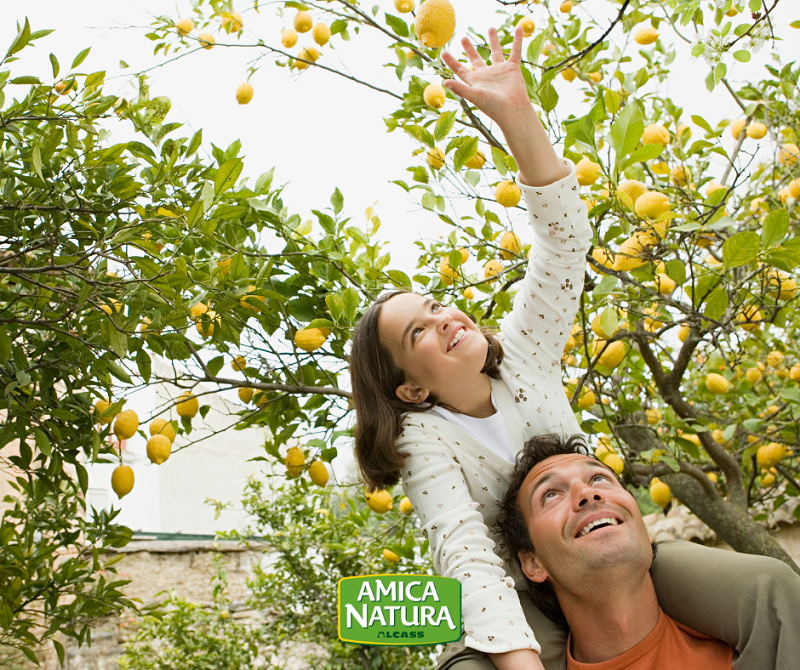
pixel 414 333
pixel 435 307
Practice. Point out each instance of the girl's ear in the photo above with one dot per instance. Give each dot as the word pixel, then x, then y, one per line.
pixel 532 567
pixel 411 393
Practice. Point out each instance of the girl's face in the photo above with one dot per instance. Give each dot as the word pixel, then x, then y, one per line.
pixel 440 349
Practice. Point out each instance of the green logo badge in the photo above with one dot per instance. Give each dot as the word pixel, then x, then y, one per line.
pixel 399 609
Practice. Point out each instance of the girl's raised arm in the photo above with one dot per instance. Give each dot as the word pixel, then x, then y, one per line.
pixel 499 91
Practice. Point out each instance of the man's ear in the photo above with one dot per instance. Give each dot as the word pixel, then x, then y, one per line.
pixel 532 567
pixel 411 393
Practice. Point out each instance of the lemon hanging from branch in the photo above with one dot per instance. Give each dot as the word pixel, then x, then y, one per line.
pixel 436 23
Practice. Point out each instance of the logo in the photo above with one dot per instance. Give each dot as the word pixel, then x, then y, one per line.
pixel 399 609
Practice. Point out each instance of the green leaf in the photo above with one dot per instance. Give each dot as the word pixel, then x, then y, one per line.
pixel 716 304
pixel 94 79
pixel 444 125
pixel 54 64
pixel 5 347
pixel 207 195
pixel 42 442
pixel 645 153
pixel 466 151
pixel 227 174
pixel 195 142
pixel 20 42
pixel 676 270
pixel 775 227
pixel 80 58
pixel 27 80
pixel 702 123
pixel 743 56
pixel 399 278
pixel 399 26
pixel 612 100
pixel 498 158
pixel 609 320
pixel 719 72
pixel 337 200
pixel 740 249
pixel 144 364
pixel 626 131
pixel 581 130
pixel 350 302
pixel 119 372
pixel 215 365
pixel 536 47
pixel 83 477
pixel 548 96
pixel 118 341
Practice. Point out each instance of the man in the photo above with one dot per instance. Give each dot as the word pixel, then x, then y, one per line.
pixel 583 545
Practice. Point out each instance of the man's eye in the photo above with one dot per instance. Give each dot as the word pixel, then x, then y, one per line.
pixel 548 495
pixel 604 478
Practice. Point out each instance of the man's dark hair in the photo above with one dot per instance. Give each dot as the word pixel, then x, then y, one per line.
pixel 510 522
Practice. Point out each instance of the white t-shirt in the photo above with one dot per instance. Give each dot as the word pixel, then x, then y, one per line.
pixel 490 430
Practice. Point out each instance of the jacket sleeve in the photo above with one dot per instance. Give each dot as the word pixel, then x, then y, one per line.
pixel 546 304
pixel 460 544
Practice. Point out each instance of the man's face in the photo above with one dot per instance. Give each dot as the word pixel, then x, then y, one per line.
pixel 581 521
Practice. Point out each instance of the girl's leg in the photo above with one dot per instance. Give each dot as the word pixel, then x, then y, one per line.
pixel 551 637
pixel 750 602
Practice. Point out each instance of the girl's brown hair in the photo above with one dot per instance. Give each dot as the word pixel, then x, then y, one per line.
pixel 379 412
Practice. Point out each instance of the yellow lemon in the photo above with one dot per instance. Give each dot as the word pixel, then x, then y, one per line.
pixel 303 22
pixel 718 436
pixel 615 463
pixel 436 156
pixel 646 35
pixel 447 273
pixel 569 74
pixel 379 501
pixel 587 399
pixel 770 454
pixel 713 186
pixel 126 424
pixel 434 96
pixel 114 306
pixel 632 188
pixel 749 318
pixel 596 77
pixel 122 480
pixel 244 302
pixel 435 23
pixel 469 294
pixel 162 427
pixel 100 408
pixel 476 162
pixel 528 25
pixel 652 205
pixel 655 133
pixel 309 339
pixel 405 506
pixel 321 34
pixel 681 175
pixel 660 494
pixel 205 325
pixel 794 188
pixel 691 437
pixel 507 193
pixel 766 479
pixel 587 171
pixel 794 373
pixel 774 358
pixel 184 25
pixel 653 415
pixel 682 130
pixel 159 449
pixel 491 269
pixel 597 329
pixel 630 253
pixel 737 127
pixel 288 38
pixel 404 6
pixel 198 310
pixel 510 246
pixel 244 94
pixel 756 130
pixel 788 154
pixel 239 363
pixel 390 556
pixel 187 405
pixel 612 355
pixel 717 383
pixel 603 257
pixel 318 473
pixel 245 394
pixel 232 22
pixel 295 461
pixel 565 7
pixel 665 284
pixel 683 332
pixel 753 375
pixel 206 40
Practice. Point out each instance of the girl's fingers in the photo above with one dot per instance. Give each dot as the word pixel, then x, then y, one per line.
pixel 464 91
pixel 516 47
pixel 472 54
pixel 497 50
pixel 459 69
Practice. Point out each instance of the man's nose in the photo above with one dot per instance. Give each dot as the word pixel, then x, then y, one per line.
pixel 583 494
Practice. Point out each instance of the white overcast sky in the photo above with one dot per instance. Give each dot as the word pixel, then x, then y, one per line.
pixel 321 131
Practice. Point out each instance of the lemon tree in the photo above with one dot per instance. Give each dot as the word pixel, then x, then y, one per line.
pixel 695 249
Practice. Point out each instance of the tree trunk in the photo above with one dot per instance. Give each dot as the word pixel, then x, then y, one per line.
pixel 734 526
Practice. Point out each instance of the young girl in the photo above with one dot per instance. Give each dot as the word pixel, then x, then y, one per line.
pixel 446 407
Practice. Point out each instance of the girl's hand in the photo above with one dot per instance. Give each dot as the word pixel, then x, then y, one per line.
pixel 521 659
pixel 498 90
